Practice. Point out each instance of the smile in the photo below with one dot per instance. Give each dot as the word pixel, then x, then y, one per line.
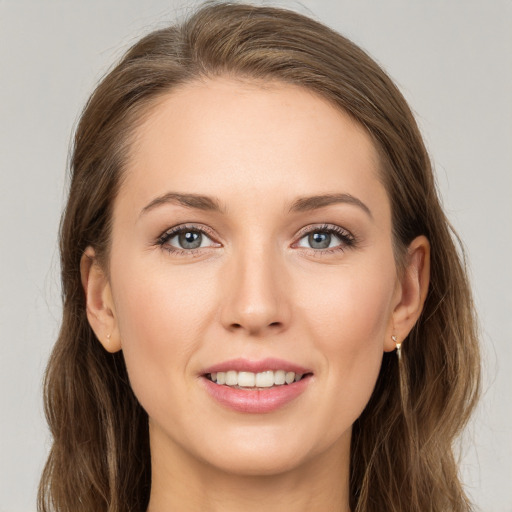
pixel 250 380
pixel 256 387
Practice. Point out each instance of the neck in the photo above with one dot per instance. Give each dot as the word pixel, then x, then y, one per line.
pixel 182 482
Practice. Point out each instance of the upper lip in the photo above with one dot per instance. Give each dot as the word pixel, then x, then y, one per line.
pixel 261 365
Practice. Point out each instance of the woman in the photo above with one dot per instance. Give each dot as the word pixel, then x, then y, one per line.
pixel 263 303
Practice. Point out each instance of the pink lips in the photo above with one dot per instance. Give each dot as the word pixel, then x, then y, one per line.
pixel 245 365
pixel 256 401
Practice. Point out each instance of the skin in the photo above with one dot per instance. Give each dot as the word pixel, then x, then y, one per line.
pixel 255 289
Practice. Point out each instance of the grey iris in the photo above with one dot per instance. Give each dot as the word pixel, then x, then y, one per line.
pixel 190 239
pixel 319 240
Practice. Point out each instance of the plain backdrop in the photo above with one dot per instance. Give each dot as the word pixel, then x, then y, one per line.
pixel 451 59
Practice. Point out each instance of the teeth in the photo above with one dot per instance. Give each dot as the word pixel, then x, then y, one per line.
pixel 231 378
pixel 279 377
pixel 265 379
pixel 246 379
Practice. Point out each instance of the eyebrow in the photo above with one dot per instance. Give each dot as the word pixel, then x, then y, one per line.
pixel 309 203
pixel 207 203
pixel 196 201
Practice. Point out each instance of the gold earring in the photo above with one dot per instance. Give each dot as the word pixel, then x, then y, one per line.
pixel 398 346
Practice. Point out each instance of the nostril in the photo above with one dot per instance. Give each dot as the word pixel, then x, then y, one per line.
pixel 237 326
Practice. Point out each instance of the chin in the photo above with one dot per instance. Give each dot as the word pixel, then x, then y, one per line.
pixel 256 462
pixel 268 451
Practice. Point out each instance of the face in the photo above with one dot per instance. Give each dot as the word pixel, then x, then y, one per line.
pixel 251 245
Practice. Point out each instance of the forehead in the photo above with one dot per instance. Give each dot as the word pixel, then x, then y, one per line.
pixel 243 141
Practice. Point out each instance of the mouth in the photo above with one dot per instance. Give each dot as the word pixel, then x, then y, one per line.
pixel 257 387
pixel 252 381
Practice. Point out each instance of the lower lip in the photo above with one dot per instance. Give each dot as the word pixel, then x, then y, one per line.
pixel 256 401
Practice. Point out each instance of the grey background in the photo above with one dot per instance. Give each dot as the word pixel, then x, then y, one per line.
pixel 452 60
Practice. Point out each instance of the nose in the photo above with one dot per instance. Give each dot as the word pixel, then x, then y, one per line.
pixel 255 299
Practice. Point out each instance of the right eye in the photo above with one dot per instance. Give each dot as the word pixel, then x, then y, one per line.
pixel 185 239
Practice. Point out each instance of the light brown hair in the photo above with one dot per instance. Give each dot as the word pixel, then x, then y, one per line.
pixel 402 445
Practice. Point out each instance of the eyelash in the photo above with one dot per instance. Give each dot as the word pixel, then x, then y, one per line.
pixel 347 240
pixel 164 238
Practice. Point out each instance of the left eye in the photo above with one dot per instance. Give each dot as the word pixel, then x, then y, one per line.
pixel 187 239
pixel 320 239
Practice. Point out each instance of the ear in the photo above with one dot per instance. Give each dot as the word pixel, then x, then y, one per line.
pixel 99 303
pixel 411 291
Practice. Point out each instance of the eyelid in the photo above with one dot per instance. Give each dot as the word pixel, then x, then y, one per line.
pixel 347 239
pixel 163 239
pixel 324 227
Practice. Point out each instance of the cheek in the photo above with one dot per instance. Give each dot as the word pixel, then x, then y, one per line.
pixel 351 307
pixel 348 317
pixel 157 303
pixel 161 315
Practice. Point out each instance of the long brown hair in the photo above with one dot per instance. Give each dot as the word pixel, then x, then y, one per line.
pixel 402 445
